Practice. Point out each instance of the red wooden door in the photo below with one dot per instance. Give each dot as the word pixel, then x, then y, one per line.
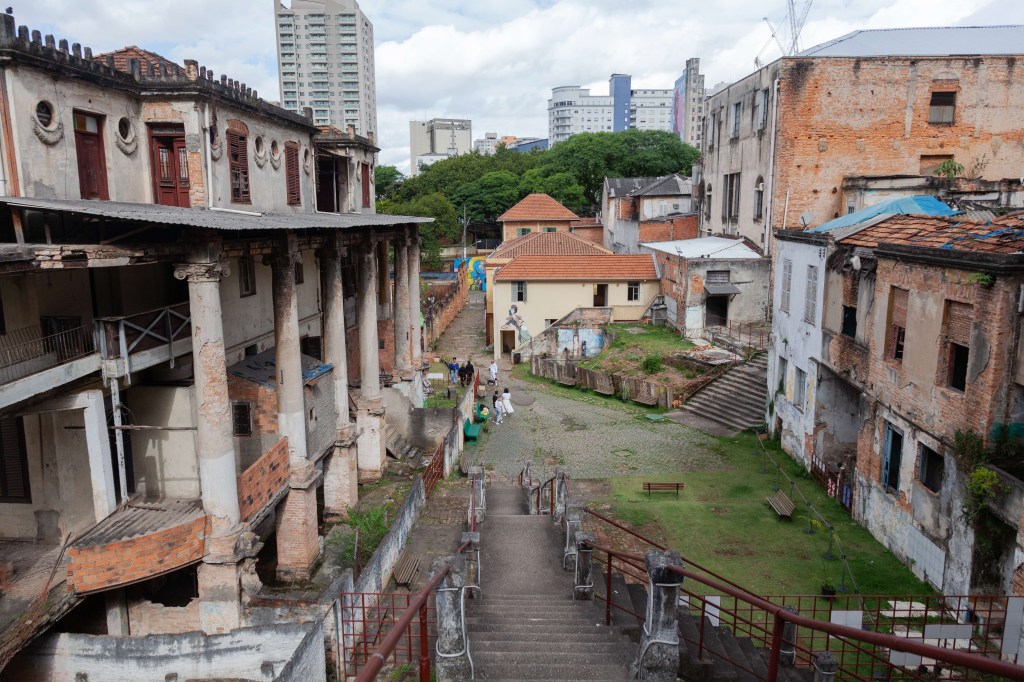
pixel 170 170
pixel 92 163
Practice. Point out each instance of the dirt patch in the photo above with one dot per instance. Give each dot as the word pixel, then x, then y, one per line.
pixel 571 424
pixel 719 510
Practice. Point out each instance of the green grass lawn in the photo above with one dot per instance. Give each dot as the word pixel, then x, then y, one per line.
pixel 522 372
pixel 642 340
pixel 722 521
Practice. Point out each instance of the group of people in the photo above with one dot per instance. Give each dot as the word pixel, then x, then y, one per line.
pixel 461 373
pixel 502 405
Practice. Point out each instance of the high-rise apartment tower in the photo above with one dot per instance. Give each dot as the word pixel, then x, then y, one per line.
pixel 325 62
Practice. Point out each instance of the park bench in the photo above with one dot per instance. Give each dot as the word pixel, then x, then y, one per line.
pixel 603 383
pixel 782 505
pixel 471 431
pixel 663 487
pixel 406 568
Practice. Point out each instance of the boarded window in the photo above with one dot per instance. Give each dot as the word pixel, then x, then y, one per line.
pixel 930 162
pixel 311 346
pixel 238 157
pixel 942 107
pixel 241 418
pixel 892 456
pixel 897 323
pixel 787 282
pixel 811 295
pixel 291 173
pixel 930 469
pixel 717 277
pixel 92 162
pixel 14 485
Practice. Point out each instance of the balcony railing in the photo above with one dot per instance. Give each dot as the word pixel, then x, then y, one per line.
pixel 120 337
pixel 28 351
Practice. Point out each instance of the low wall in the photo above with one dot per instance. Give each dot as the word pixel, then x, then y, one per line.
pixel 377 572
pixel 281 653
pixel 442 303
pixel 263 479
pixel 610 384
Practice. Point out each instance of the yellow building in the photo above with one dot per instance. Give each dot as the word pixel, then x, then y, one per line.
pixel 532 292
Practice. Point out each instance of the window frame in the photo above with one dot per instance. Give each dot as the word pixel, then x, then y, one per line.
pixel 523 231
pixel 897 334
pixel 811 296
pixel 246 276
pixel 787 285
pixel 632 291
pixel 891 466
pixel 848 325
pixel 799 389
pixel 782 370
pixel 293 184
pixel 238 165
pixel 236 406
pixel 737 113
pixel 21 458
pixel 759 198
pixel 953 374
pixel 942 114
pixel 926 472
pixel 94 143
pixel 519 291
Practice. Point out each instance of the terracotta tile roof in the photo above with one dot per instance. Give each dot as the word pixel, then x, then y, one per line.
pixel 1004 234
pixel 538 207
pixel 548 244
pixel 145 57
pixel 587 268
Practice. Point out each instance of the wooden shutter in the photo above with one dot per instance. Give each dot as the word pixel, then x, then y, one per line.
pixel 811 295
pixel 238 155
pixel 787 281
pixel 959 317
pixel 14 486
pixel 291 172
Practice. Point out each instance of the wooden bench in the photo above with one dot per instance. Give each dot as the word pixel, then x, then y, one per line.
pixel 471 431
pixel 663 487
pixel 604 385
pixel 782 505
pixel 406 569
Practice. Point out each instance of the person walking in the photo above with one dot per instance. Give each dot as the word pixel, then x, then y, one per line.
pixel 499 409
pixel 506 402
pixel 494 372
pixel 453 371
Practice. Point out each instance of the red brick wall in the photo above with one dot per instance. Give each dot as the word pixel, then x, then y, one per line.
pixel 594 233
pixel 674 283
pixel 264 403
pixel 683 227
pixel 261 481
pixel 385 331
pixel 128 561
pixel 445 315
pixel 149 618
pixel 297 532
pixel 843 117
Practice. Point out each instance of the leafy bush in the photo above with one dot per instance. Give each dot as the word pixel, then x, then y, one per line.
pixel 651 364
pixel 372 526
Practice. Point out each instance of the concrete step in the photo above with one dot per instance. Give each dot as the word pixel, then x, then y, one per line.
pixel 506 499
pixel 495 665
pixel 480 641
pixel 496 645
pixel 569 619
pixel 512 629
pixel 529 610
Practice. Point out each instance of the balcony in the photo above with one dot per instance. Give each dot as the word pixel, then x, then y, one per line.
pixel 33 361
pixel 134 342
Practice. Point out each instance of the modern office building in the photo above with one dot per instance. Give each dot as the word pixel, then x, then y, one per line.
pixel 325 62
pixel 573 109
pixel 688 104
pixel 438 138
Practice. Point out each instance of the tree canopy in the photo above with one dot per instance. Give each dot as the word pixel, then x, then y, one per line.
pixel 572 172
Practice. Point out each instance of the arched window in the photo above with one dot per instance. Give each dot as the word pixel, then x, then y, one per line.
pixel 707 201
pixel 759 198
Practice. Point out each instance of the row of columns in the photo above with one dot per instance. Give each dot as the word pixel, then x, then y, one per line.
pixel 359 451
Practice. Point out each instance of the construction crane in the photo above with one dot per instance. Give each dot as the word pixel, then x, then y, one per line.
pixel 797 18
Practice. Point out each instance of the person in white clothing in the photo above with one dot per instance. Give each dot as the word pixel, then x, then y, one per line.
pixel 499 408
pixel 506 402
pixel 494 372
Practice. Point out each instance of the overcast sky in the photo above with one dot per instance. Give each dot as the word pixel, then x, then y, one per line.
pixel 494 61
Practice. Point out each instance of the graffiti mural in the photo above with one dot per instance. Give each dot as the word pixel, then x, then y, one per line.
pixel 474 271
pixel 580 342
pixel 517 322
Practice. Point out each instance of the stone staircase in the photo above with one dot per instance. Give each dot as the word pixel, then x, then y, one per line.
pixel 526 625
pixel 739 653
pixel 737 399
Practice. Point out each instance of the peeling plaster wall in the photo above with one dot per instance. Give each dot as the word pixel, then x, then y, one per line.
pixel 166 463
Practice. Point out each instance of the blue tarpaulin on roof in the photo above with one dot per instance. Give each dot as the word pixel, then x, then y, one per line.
pixel 919 205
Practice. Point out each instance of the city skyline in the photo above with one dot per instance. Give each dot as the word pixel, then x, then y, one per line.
pixel 494 63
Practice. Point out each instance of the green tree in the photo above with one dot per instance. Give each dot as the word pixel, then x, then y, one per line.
pixel 490 196
pixel 388 180
pixel 444 230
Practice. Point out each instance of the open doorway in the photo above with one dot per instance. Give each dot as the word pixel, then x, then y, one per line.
pixel 716 311
pixel 600 295
pixel 508 341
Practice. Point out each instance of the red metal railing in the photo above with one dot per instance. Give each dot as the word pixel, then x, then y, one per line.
pixel 750 334
pixel 435 470
pixel 836 486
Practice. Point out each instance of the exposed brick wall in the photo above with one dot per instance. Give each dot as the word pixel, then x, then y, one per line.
pixel 683 227
pixel 298 542
pixel 261 481
pixel 1018 581
pixel 451 304
pixel 385 332
pixel 128 561
pixel 593 233
pixel 264 403
pixel 149 618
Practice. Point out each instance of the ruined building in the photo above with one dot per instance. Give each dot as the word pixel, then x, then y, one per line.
pixel 196 319
pixel 779 144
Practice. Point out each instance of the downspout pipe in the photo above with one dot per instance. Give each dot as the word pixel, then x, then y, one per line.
pixel 770 189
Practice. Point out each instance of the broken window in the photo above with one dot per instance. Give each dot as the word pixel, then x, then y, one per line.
pixel 799 388
pixel 957 337
pixel 897 323
pixel 851 287
pixel 787 281
pixel 241 418
pixel 930 469
pixel 811 295
pixel 246 276
pixel 633 291
pixel 291 173
pixel 892 456
pixel 731 197
pixel 928 163
pixel 782 369
pixel 942 107
pixel 92 163
pixel 849 321
pixel 238 157
pixel 14 484
pixel 519 291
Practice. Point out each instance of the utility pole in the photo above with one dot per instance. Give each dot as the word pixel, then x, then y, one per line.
pixel 464 236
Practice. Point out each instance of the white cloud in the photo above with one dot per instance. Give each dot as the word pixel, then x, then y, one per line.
pixel 494 61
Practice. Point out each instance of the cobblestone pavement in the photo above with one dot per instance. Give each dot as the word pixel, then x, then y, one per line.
pixel 594 441
pixel 464 336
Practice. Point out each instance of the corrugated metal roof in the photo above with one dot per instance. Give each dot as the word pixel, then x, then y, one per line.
pixel 141 517
pixel 916 205
pixel 667 186
pixel 211 218
pixel 705 247
pixel 937 41
pixel 618 187
pixel 262 368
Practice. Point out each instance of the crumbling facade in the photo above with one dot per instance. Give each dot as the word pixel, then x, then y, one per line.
pixel 177 407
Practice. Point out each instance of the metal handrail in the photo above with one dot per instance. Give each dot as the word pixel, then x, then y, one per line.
pixel 64 346
pixel 781 616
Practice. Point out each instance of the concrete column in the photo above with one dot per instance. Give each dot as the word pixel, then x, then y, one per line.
pixel 583 585
pixel 101 470
pixel 453 662
pixel 476 482
pixel 384 279
pixel 825 666
pixel 787 650
pixel 341 477
pixel 658 657
pixel 298 542
pixel 573 522
pixel 219 574
pixel 117 613
pixel 561 491
pixel 403 330
pixel 370 415
pixel 214 441
pixel 414 301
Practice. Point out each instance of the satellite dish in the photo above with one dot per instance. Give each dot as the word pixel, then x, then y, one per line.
pixel 806 218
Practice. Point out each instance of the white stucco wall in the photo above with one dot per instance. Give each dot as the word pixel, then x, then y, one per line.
pixel 165 461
